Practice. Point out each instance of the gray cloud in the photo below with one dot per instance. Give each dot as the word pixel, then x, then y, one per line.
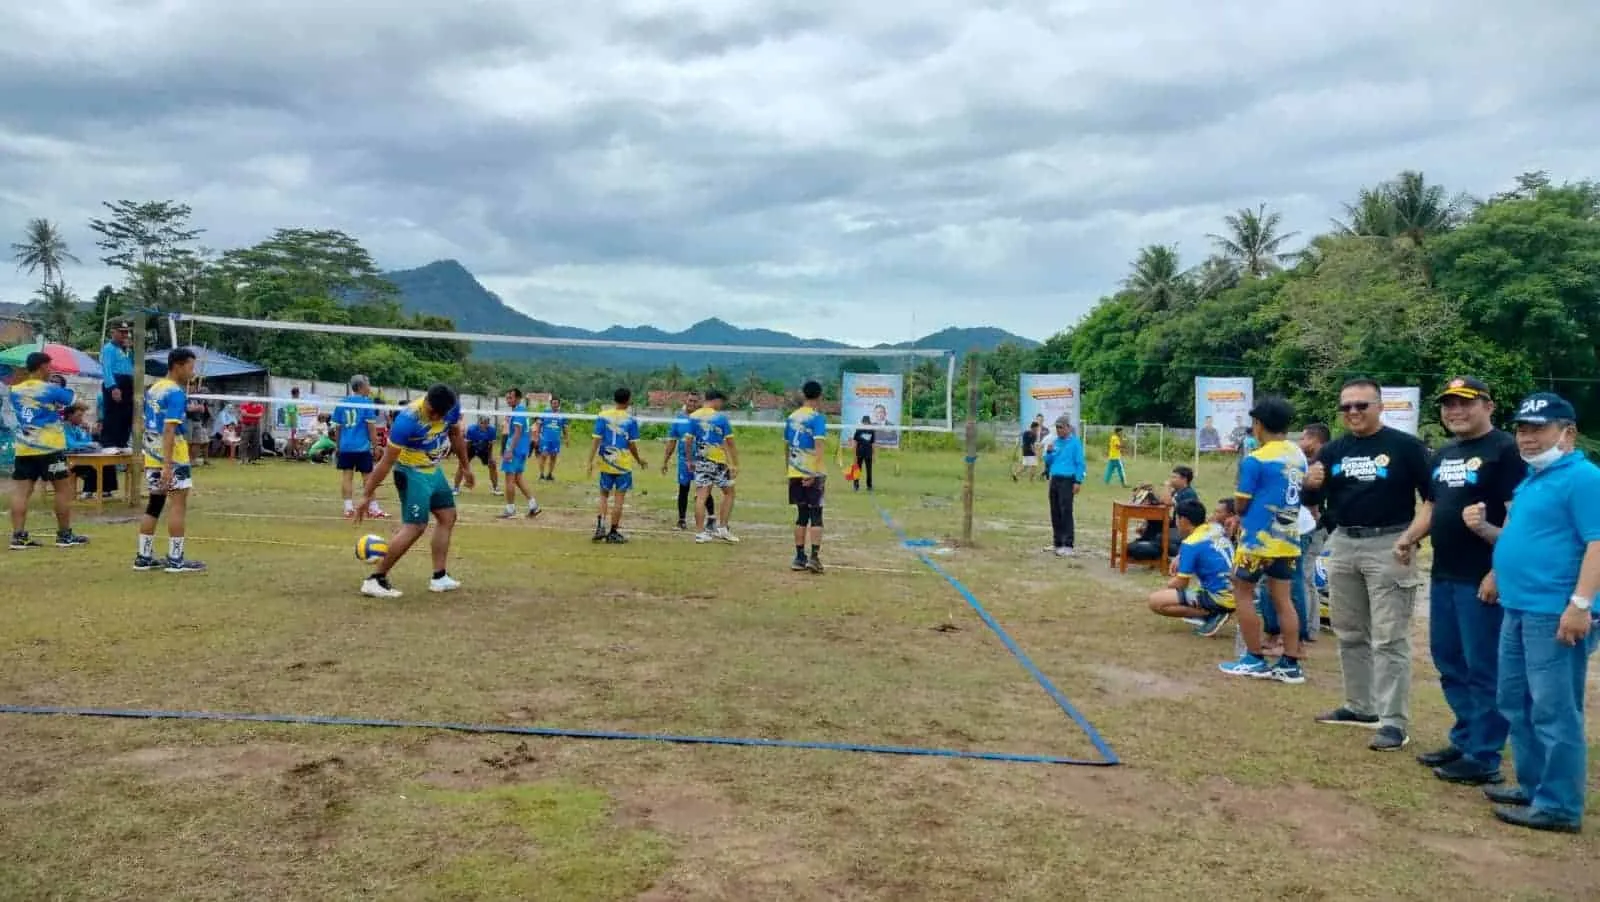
pixel 859 171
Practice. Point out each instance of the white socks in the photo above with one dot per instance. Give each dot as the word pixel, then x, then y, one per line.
pixel 349 506
pixel 175 549
pixel 147 545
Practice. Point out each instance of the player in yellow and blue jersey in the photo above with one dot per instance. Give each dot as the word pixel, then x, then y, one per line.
pixel 519 445
pixel 422 434
pixel 1268 498
pixel 805 434
pixel 40 407
pixel 616 444
pixel 167 476
pixel 678 441
pixel 716 465
pixel 1201 588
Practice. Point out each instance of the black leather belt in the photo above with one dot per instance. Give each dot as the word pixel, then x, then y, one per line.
pixel 1371 532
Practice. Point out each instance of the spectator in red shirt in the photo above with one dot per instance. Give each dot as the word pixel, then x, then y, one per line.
pixel 251 414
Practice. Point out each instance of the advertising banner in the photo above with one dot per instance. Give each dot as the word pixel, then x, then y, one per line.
pixel 1222 412
pixel 1402 408
pixel 1045 396
pixel 877 396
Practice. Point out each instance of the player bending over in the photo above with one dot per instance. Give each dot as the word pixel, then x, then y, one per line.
pixel 616 441
pixel 716 465
pixel 167 476
pixel 806 434
pixel 480 447
pixel 355 421
pixel 519 444
pixel 422 434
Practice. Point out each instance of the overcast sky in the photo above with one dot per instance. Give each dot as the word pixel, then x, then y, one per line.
pixel 859 171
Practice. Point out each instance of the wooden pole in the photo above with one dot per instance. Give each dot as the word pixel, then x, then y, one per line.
pixel 972 448
pixel 135 474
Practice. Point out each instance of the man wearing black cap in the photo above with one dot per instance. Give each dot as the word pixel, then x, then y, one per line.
pixel 1473 478
pixel 40 407
pixel 116 365
pixel 1546 576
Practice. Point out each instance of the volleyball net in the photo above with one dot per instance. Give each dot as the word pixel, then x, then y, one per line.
pixel 885 395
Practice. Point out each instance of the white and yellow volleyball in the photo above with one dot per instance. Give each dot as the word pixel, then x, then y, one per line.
pixel 371 548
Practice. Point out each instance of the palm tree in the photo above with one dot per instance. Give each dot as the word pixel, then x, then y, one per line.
pixel 58 306
pixel 1253 241
pixel 1371 216
pixel 1213 277
pixel 1422 210
pixel 42 248
pixel 1157 278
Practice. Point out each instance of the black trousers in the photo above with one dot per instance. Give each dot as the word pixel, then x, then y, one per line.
pixel 1061 524
pixel 116 430
pixel 865 463
pixel 685 491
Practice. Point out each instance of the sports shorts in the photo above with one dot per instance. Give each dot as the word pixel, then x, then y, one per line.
pixel 516 463
pixel 803 495
pixel 182 479
pixel 1251 568
pixel 616 482
pixel 712 474
pixel 359 461
pixel 40 467
pixel 549 446
pixel 480 451
pixel 422 492
pixel 1205 601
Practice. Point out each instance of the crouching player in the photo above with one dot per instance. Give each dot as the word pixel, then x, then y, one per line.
pixel 1205 559
pixel 423 433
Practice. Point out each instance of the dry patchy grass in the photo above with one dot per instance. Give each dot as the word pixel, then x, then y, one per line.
pixel 1228 788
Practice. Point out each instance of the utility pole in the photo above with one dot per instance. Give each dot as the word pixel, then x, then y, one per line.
pixel 972 448
pixel 135 475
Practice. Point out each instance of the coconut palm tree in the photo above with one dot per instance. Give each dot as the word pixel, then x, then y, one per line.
pixel 42 248
pixel 1213 277
pixel 58 307
pixel 1422 210
pixel 1157 278
pixel 1371 216
pixel 1253 241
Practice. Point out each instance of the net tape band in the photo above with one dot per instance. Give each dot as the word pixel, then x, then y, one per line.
pixel 382 332
pixel 502 413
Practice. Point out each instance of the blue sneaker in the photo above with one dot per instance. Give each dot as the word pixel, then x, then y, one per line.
pixel 1213 624
pixel 1248 665
pixel 1288 673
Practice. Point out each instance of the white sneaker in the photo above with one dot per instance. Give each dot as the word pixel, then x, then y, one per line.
pixel 724 535
pixel 444 583
pixel 703 537
pixel 374 589
pixel 1064 552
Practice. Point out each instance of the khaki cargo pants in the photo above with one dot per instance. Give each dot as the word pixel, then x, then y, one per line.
pixel 1371 600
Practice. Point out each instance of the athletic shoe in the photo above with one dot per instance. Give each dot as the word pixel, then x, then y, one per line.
pixel 20 540
pixel 1389 739
pixel 444 583
pixel 179 565
pixel 534 511
pixel 1288 673
pixel 1063 552
pixel 703 537
pixel 616 538
pixel 799 563
pixel 724 535
pixel 70 539
pixel 376 587
pixel 599 534
pixel 1344 717
pixel 814 565
pixel 1210 626
pixel 145 564
pixel 682 524
pixel 351 514
pixel 1248 665
pixel 1195 621
pixel 378 515
pixel 505 515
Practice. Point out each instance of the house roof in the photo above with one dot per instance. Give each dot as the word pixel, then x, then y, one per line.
pixel 211 364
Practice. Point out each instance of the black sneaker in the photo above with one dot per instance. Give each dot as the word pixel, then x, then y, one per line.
pixel 599 534
pixel 1507 795
pixel 1441 757
pixel 20 540
pixel 1345 717
pixel 683 524
pixel 1389 739
pixel 798 564
pixel 146 564
pixel 70 539
pixel 1467 772
pixel 180 565
pixel 814 564
pixel 616 538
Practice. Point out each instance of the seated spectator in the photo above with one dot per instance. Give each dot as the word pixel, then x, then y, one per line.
pixel 1205 558
pixel 1178 489
pixel 79 441
pixel 322 445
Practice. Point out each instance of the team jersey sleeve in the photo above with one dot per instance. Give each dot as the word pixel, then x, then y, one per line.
pixel 1249 476
pixel 61 396
pixel 633 429
pixel 1188 557
pixel 174 406
pixel 405 429
pixel 599 427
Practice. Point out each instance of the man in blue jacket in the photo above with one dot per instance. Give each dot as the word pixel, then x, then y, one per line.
pixel 1546 575
pixel 1065 466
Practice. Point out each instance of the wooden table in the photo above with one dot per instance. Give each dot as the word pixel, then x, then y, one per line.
pixel 99 462
pixel 1125 515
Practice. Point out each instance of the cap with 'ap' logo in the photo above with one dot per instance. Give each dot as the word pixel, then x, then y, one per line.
pixel 1544 407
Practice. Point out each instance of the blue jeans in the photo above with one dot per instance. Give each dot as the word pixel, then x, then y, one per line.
pixel 1305 604
pixel 1541 695
pixel 1464 634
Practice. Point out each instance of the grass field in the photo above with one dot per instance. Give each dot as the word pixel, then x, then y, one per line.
pixel 1227 788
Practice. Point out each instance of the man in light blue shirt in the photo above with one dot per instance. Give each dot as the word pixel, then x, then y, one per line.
pixel 1546 576
pixel 116 365
pixel 1066 468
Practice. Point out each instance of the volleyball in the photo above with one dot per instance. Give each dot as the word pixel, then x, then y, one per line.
pixel 371 548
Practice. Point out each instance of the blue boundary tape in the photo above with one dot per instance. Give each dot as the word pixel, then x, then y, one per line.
pixel 1056 695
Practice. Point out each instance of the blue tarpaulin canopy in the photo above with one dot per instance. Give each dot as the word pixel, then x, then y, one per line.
pixel 209 364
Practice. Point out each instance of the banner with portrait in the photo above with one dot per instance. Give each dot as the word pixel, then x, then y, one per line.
pixel 1046 396
pixel 879 397
pixel 1402 408
pixel 1222 412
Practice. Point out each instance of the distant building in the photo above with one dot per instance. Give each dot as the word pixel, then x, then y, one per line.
pixel 16 331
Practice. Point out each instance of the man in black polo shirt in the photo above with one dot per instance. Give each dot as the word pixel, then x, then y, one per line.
pixel 1372 477
pixel 1473 479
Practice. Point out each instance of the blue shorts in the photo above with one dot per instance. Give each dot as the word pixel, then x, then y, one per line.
pixel 518 463
pixel 359 461
pixel 616 482
pixel 1205 601
pixel 547 446
pixel 1251 569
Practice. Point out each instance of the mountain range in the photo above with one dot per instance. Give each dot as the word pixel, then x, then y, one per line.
pixel 446 288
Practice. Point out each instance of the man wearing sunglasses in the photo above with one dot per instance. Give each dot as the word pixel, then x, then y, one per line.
pixel 1372 478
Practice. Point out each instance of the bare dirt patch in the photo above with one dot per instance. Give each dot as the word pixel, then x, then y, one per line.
pixel 184 763
pixel 1321 820
pixel 1125 684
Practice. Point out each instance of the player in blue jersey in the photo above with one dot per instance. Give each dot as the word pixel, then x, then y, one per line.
pixel 422 434
pixel 40 408
pixel 678 446
pixel 716 465
pixel 167 473
pixel 480 438
pixel 805 435
pixel 616 445
pixel 1202 586
pixel 551 428
pixel 1268 499
pixel 355 424
pixel 514 462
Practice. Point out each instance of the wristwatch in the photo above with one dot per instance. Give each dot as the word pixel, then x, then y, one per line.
pixel 1580 602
